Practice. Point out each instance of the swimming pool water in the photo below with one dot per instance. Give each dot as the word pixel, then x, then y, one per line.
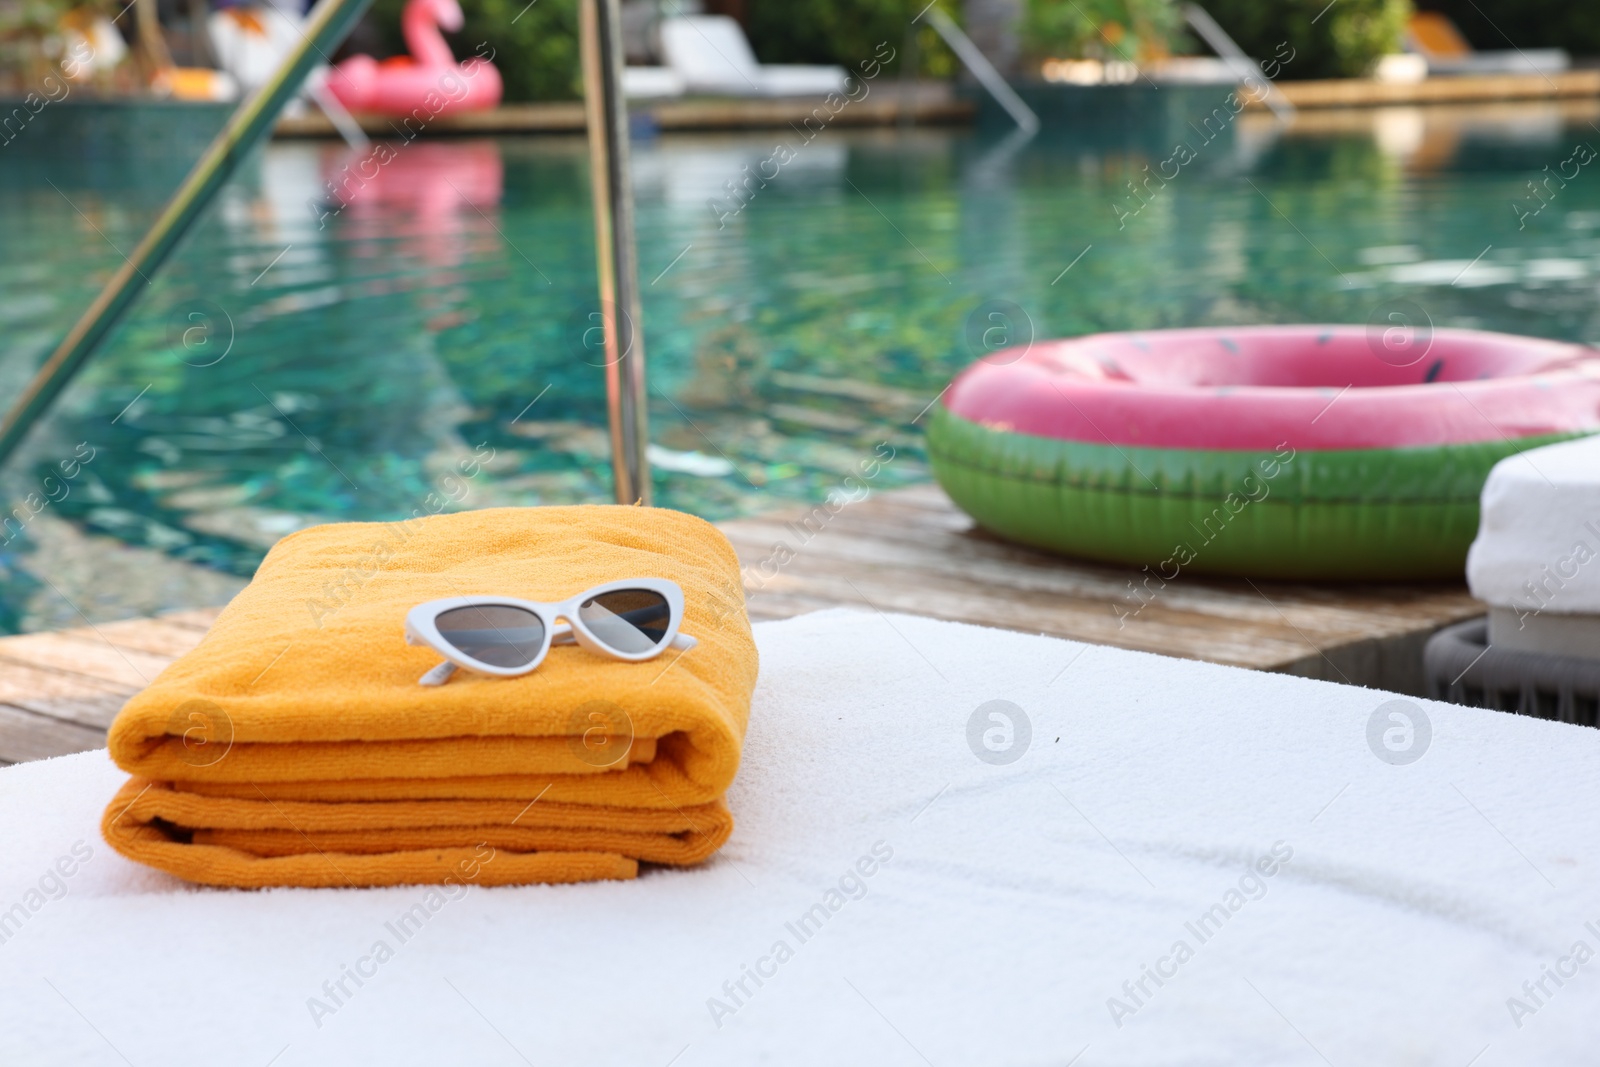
pixel 428 346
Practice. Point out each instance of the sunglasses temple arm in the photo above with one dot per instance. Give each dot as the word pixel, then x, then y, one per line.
pixel 684 641
pixel 438 675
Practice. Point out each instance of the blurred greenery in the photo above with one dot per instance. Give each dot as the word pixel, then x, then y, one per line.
pixel 1338 40
pixel 1101 29
pixel 535 44
pixel 381 352
pixel 31 20
pixel 29 34
pixel 1501 24
pixel 846 32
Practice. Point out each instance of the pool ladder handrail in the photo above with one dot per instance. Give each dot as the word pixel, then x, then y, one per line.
pixel 1247 70
pixel 975 61
pixel 330 21
pixel 329 24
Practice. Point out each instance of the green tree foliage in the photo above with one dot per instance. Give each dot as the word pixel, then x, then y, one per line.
pixel 30 36
pixel 845 32
pixel 1100 29
pixel 535 45
pixel 1339 40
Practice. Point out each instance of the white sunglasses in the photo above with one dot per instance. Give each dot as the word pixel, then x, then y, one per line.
pixel 635 619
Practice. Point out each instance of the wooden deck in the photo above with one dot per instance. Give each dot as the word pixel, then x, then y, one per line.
pixel 889 102
pixel 59 691
pixel 1443 89
pixel 904 551
pixel 912 551
pixel 937 103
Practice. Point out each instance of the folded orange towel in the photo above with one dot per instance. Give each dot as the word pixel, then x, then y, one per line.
pixel 295 747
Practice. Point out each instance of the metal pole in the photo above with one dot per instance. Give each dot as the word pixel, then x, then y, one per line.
pixel 330 21
pixel 615 251
pixel 1242 65
pixel 983 70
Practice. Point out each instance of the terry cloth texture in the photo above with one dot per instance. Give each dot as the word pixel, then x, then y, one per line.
pixel 295 747
pixel 997 899
pixel 1538 546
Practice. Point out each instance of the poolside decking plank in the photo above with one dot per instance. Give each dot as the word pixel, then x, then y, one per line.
pixel 1463 88
pixel 1186 634
pixel 160 637
pixel 56 695
pixel 911 550
pixel 25 736
pixel 921 103
pixel 88 653
pixel 192 618
pixel 907 550
pixel 935 102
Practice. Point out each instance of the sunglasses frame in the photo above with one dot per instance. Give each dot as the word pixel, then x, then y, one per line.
pixel 422 626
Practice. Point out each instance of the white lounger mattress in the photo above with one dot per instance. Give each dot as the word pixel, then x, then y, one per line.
pixel 903 900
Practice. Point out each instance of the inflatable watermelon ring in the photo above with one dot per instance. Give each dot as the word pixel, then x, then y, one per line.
pixel 1276 451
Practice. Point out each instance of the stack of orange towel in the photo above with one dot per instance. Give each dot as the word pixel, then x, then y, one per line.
pixel 295 747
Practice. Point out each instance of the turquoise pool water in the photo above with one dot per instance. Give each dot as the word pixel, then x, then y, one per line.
pixel 424 347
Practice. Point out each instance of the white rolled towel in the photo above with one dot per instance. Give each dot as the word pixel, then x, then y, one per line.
pixel 1537 554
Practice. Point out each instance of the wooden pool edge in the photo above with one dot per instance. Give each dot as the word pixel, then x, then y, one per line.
pixel 888 107
pixel 926 103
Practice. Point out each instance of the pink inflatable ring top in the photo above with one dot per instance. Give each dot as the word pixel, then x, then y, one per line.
pixel 1257 388
pixel 1296 452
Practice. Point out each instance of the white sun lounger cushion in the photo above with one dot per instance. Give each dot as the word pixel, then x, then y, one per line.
pixel 712 55
pixel 917 875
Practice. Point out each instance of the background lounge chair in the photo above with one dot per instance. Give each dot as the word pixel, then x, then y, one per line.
pixel 711 54
pixel 1436 39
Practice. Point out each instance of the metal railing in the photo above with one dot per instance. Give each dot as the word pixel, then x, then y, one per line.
pixel 616 253
pixel 978 63
pixel 1244 68
pixel 330 22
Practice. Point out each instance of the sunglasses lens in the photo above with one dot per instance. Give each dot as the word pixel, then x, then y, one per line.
pixel 498 636
pixel 627 620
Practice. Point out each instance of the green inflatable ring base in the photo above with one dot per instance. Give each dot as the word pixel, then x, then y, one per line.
pixel 1401 514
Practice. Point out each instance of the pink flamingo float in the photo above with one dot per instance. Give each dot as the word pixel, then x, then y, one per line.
pixel 429 79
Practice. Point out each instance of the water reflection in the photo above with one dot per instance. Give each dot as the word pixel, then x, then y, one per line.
pixel 444 196
pixel 387 331
pixel 1441 136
